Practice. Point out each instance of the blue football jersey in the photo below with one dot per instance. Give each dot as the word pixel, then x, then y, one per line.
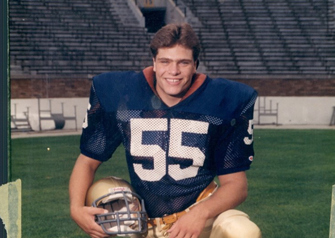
pixel 172 153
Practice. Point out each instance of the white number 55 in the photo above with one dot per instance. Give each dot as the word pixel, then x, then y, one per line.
pixel 176 148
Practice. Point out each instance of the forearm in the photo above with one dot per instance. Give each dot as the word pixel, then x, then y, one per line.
pixel 231 193
pixel 81 179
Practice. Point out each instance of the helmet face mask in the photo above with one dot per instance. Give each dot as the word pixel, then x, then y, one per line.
pixel 126 212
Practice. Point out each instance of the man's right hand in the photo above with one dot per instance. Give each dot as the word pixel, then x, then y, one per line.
pixel 85 218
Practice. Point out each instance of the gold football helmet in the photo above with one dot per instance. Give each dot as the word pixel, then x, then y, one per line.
pixel 126 212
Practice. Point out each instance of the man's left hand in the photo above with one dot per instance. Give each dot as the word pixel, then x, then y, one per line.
pixel 189 225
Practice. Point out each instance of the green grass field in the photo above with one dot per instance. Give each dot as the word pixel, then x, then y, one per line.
pixel 290 183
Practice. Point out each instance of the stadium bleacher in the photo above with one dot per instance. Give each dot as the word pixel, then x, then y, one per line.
pixel 265 37
pixel 238 37
pixel 73 37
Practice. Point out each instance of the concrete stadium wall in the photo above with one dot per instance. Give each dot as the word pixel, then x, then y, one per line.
pixel 296 110
pixel 173 13
pixel 72 107
pixel 291 110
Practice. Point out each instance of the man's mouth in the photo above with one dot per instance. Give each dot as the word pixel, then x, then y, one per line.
pixel 173 80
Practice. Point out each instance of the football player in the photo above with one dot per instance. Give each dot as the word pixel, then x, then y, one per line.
pixel 180 129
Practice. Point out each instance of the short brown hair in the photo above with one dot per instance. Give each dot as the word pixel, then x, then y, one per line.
pixel 176 34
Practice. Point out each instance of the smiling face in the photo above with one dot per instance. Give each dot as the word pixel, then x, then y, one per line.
pixel 174 68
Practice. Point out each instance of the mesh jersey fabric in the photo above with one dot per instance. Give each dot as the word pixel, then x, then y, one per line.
pixel 172 153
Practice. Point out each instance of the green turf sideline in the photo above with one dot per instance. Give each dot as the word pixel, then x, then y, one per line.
pixel 289 182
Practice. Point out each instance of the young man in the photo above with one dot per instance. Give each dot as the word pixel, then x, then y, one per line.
pixel 179 129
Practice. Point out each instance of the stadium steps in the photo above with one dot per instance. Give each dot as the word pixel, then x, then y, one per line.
pixel 20 122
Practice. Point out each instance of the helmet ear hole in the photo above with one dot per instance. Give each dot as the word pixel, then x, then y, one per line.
pixel 126 212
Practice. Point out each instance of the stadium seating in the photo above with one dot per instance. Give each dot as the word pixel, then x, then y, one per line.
pixel 264 37
pixel 238 37
pixel 74 38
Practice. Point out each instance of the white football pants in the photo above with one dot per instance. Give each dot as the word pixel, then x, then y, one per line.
pixel 229 224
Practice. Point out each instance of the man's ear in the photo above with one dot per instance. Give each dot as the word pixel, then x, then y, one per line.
pixel 154 64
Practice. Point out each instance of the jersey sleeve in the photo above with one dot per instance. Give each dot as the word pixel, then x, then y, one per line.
pixel 234 151
pixel 100 136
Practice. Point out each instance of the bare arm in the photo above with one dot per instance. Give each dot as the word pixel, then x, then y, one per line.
pixel 232 192
pixel 81 179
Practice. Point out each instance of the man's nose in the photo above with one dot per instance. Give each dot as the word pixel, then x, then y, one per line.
pixel 174 68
